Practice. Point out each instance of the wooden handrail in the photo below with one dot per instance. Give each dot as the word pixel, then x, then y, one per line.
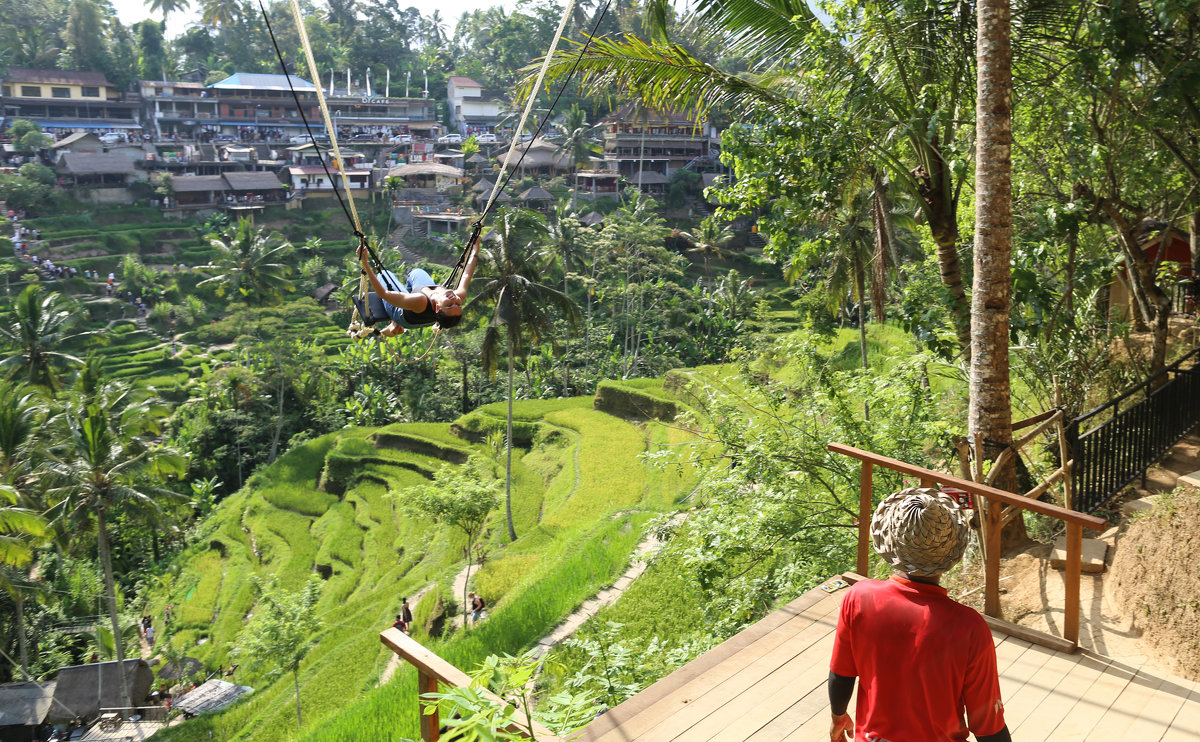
pixel 432 670
pixel 990 522
pixel 1009 498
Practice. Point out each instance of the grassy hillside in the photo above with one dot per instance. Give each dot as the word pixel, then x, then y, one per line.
pixel 581 498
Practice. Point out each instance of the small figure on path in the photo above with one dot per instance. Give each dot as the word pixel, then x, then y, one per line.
pixel 477 606
pixel 926 664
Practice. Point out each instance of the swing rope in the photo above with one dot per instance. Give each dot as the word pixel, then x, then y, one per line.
pixel 357 328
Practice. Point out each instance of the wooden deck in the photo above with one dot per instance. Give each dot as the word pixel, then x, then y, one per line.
pixel 767 684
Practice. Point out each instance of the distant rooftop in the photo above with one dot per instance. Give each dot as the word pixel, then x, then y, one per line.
pixel 260 81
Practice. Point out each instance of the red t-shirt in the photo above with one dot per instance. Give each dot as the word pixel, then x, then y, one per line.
pixel 921 659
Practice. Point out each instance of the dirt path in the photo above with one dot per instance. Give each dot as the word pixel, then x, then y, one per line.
pixel 459 584
pixel 393 663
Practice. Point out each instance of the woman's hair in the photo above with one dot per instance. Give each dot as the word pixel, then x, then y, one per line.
pixel 446 321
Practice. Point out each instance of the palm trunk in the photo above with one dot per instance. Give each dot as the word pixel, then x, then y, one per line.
pixel 508 443
pixel 860 286
pixel 990 413
pixel 466 399
pixel 110 595
pixel 278 420
pixel 882 256
pixel 296 683
pixel 24 650
pixel 936 193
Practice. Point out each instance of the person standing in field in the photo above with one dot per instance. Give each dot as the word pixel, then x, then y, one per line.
pixel 925 664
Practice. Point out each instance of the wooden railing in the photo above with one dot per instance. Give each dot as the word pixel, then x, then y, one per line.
pixel 991 527
pixel 433 671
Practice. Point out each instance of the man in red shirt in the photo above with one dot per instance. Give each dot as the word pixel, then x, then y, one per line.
pixel 921 659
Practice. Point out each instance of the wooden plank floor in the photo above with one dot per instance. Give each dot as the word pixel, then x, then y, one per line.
pixel 768 684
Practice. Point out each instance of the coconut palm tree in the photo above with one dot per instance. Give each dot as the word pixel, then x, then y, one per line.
pixel 106 462
pixel 36 326
pixel 523 308
pixel 709 242
pixel 21 416
pixel 989 417
pixel 20 529
pixel 167 6
pixel 249 262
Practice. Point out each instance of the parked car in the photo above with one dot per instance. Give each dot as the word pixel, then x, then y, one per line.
pixel 112 138
pixel 298 138
pixel 224 138
pixel 450 139
pixel 362 138
pixel 526 137
pixel 486 138
pixel 400 138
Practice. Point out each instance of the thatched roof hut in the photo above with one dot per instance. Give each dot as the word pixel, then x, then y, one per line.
pixel 536 193
pixel 82 690
pixel 212 695
pixel 24 704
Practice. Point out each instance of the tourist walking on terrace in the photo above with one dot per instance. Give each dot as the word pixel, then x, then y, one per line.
pixel 925 664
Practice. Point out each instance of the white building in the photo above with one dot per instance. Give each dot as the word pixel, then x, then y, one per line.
pixel 471 109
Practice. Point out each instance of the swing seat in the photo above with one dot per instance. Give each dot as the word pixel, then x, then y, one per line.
pixel 372 311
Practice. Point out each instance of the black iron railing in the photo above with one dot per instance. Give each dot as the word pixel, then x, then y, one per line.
pixel 1117 442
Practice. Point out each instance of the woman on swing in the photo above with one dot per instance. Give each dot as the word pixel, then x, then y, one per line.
pixel 423 301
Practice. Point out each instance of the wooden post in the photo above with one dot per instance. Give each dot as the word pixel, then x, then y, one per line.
pixel 991 552
pixel 429 722
pixel 864 519
pixel 1071 602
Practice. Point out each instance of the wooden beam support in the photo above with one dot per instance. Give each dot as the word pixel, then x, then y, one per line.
pixel 1042 428
pixel 1071 578
pixel 1035 419
pixel 430 724
pixel 864 518
pixel 1051 480
pixel 991 569
pixel 1030 635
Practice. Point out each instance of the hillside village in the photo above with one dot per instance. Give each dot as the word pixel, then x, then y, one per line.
pixel 742 273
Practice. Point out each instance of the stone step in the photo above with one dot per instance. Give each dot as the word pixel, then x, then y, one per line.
pixel 1094 553
pixel 1191 480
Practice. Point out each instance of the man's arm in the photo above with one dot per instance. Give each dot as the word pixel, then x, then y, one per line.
pixel 841 687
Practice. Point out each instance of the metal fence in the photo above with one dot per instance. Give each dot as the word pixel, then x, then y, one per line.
pixel 1117 442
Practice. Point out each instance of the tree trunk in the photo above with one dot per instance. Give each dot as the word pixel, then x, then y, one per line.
pixel 1194 244
pixel 466 584
pixel 466 399
pixel 941 213
pixel 1143 284
pixel 882 256
pixel 110 595
pixel 278 419
pixel 859 286
pixel 990 413
pixel 508 443
pixel 296 682
pixel 24 650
